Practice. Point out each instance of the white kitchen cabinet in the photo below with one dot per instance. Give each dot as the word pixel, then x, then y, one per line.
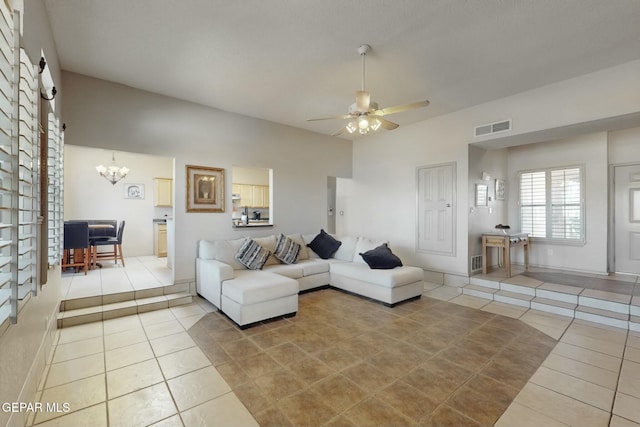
pixel 163 192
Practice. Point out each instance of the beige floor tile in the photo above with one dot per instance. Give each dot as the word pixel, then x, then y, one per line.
pixel 187 310
pixel 121 324
pixel 521 416
pixel 632 353
pixel 124 338
pixel 629 382
pixel 75 369
pixel 599 376
pixel 553 332
pixel 162 329
pixel 560 407
pixel 444 293
pixel 142 407
pixel 584 391
pixel 80 332
pixel 591 357
pixel 601 332
pixel 547 319
pixel 76 349
pixel 94 416
pixel 605 295
pixel 627 407
pixel 183 361
pixel 189 321
pixel 158 316
pixel 225 411
pixel 174 421
pixel 171 343
pixel 503 309
pixel 197 387
pixel 128 355
pixel 133 377
pixel 595 344
pixel 617 421
pixel 470 301
pixel 78 394
pixel 633 340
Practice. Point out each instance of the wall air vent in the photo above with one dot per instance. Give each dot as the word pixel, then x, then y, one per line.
pixel 492 128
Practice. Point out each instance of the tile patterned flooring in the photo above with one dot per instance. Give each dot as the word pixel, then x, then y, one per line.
pixel 346 361
pixel 139 273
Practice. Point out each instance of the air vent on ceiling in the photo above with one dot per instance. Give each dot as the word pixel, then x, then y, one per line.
pixel 496 127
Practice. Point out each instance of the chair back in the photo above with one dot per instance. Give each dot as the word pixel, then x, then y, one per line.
pixel 120 231
pixel 76 235
pixel 103 232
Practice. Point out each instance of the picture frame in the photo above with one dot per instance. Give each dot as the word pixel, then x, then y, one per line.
pixel 205 189
pixel 500 189
pixel 133 191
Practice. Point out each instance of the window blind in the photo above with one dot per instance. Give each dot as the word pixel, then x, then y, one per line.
pixel 551 203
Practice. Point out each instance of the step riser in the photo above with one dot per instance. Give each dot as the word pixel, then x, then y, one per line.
pixel 486 283
pixel 635 327
pixel 552 309
pixel 634 310
pixel 604 305
pixel 127 308
pixel 557 296
pixel 623 324
pixel 78 303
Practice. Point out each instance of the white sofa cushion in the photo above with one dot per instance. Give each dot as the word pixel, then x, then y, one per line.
pixel 316 266
pixel 347 249
pixel 251 287
pixel 225 251
pixel 388 278
pixel 206 249
pixel 364 245
pixel 293 271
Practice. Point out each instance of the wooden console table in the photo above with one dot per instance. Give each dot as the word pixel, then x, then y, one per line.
pixel 505 242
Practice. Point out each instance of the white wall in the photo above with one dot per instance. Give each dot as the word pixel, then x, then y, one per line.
pixel 624 146
pixel 384 164
pixel 483 219
pixel 87 195
pixel 107 115
pixel 591 151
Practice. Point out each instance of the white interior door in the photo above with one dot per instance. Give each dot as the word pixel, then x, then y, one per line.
pixel 436 220
pixel 627 219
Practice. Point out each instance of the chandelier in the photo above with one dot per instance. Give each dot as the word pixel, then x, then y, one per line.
pixel 112 173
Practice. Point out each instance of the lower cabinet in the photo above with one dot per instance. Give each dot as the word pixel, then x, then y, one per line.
pixel 161 240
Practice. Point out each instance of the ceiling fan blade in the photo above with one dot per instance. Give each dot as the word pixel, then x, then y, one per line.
pixel 386 124
pixel 400 108
pixel 340 131
pixel 342 117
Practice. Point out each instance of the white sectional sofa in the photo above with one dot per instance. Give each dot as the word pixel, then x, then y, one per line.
pixel 249 296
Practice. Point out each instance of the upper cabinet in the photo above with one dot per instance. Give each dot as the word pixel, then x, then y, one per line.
pixel 253 196
pixel 163 192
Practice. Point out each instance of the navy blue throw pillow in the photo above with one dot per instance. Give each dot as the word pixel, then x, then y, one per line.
pixel 324 245
pixel 381 258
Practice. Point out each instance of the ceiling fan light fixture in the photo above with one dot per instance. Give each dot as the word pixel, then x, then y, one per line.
pixel 363 123
pixel 351 127
pixel 375 124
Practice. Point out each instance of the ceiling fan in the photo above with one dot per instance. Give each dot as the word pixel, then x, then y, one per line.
pixel 364 115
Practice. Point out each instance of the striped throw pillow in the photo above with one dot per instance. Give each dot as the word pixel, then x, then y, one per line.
pixel 286 250
pixel 252 255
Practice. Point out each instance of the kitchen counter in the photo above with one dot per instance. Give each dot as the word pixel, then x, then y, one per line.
pixel 159 220
pixel 252 224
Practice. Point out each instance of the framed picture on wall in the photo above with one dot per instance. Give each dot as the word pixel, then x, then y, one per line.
pixel 205 189
pixel 133 191
pixel 500 184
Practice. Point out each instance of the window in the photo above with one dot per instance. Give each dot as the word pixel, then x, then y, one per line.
pixel 551 204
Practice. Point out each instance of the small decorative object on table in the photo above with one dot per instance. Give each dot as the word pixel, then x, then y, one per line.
pixel 503 228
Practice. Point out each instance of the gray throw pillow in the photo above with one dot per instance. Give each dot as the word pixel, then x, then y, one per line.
pixel 252 255
pixel 286 250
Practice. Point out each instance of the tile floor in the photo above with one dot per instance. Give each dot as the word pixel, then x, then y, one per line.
pixel 142 272
pixel 184 366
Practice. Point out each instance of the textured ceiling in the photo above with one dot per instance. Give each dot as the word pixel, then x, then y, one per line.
pixel 290 60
